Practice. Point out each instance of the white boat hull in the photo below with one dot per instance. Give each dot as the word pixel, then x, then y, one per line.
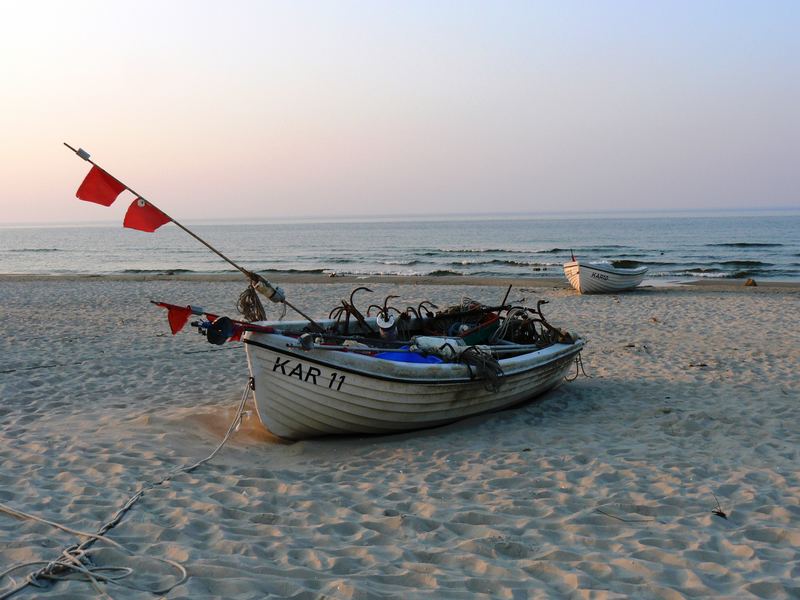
pixel 304 394
pixel 601 278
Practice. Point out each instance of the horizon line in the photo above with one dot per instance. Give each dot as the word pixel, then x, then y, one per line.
pixel 494 215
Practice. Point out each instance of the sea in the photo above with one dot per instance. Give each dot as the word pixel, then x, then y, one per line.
pixel 674 246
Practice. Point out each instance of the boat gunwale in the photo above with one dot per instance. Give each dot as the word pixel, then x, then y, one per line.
pixel 569 349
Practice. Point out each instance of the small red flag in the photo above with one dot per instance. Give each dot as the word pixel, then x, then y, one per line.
pixel 144 216
pixel 177 317
pixel 100 187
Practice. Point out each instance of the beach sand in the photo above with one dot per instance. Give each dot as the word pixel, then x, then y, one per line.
pixel 603 488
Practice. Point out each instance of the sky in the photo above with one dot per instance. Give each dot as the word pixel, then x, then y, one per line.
pixel 258 109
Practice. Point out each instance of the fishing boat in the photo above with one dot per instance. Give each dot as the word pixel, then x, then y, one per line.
pixel 357 373
pixel 394 372
pixel 319 385
pixel 601 277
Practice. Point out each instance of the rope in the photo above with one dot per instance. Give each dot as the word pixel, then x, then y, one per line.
pixel 249 305
pixel 578 369
pixel 76 560
pixel 485 365
pixel 501 331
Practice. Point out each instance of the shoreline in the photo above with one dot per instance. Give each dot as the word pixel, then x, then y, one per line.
pixel 705 285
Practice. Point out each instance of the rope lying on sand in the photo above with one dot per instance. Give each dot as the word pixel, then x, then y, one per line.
pixel 75 560
pixel 578 369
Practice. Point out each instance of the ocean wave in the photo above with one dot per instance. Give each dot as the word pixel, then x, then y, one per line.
pixel 720 274
pixel 157 271
pixel 656 274
pixel 339 261
pixel 703 270
pixel 503 262
pixel 746 245
pixel 582 249
pixel 401 263
pixel 713 274
pixel 35 250
pixel 373 273
pixel 319 271
pixel 473 251
pixel 744 263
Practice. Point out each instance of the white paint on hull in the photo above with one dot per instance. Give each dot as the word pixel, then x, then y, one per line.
pixel 303 394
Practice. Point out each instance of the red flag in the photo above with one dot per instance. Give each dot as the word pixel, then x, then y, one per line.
pixel 99 187
pixel 144 216
pixel 238 330
pixel 178 316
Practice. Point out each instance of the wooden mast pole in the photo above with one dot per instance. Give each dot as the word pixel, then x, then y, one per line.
pixel 253 277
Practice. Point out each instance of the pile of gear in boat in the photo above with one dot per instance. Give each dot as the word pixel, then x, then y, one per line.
pixel 470 333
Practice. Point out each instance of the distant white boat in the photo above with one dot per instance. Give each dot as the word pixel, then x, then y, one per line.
pixel 602 278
